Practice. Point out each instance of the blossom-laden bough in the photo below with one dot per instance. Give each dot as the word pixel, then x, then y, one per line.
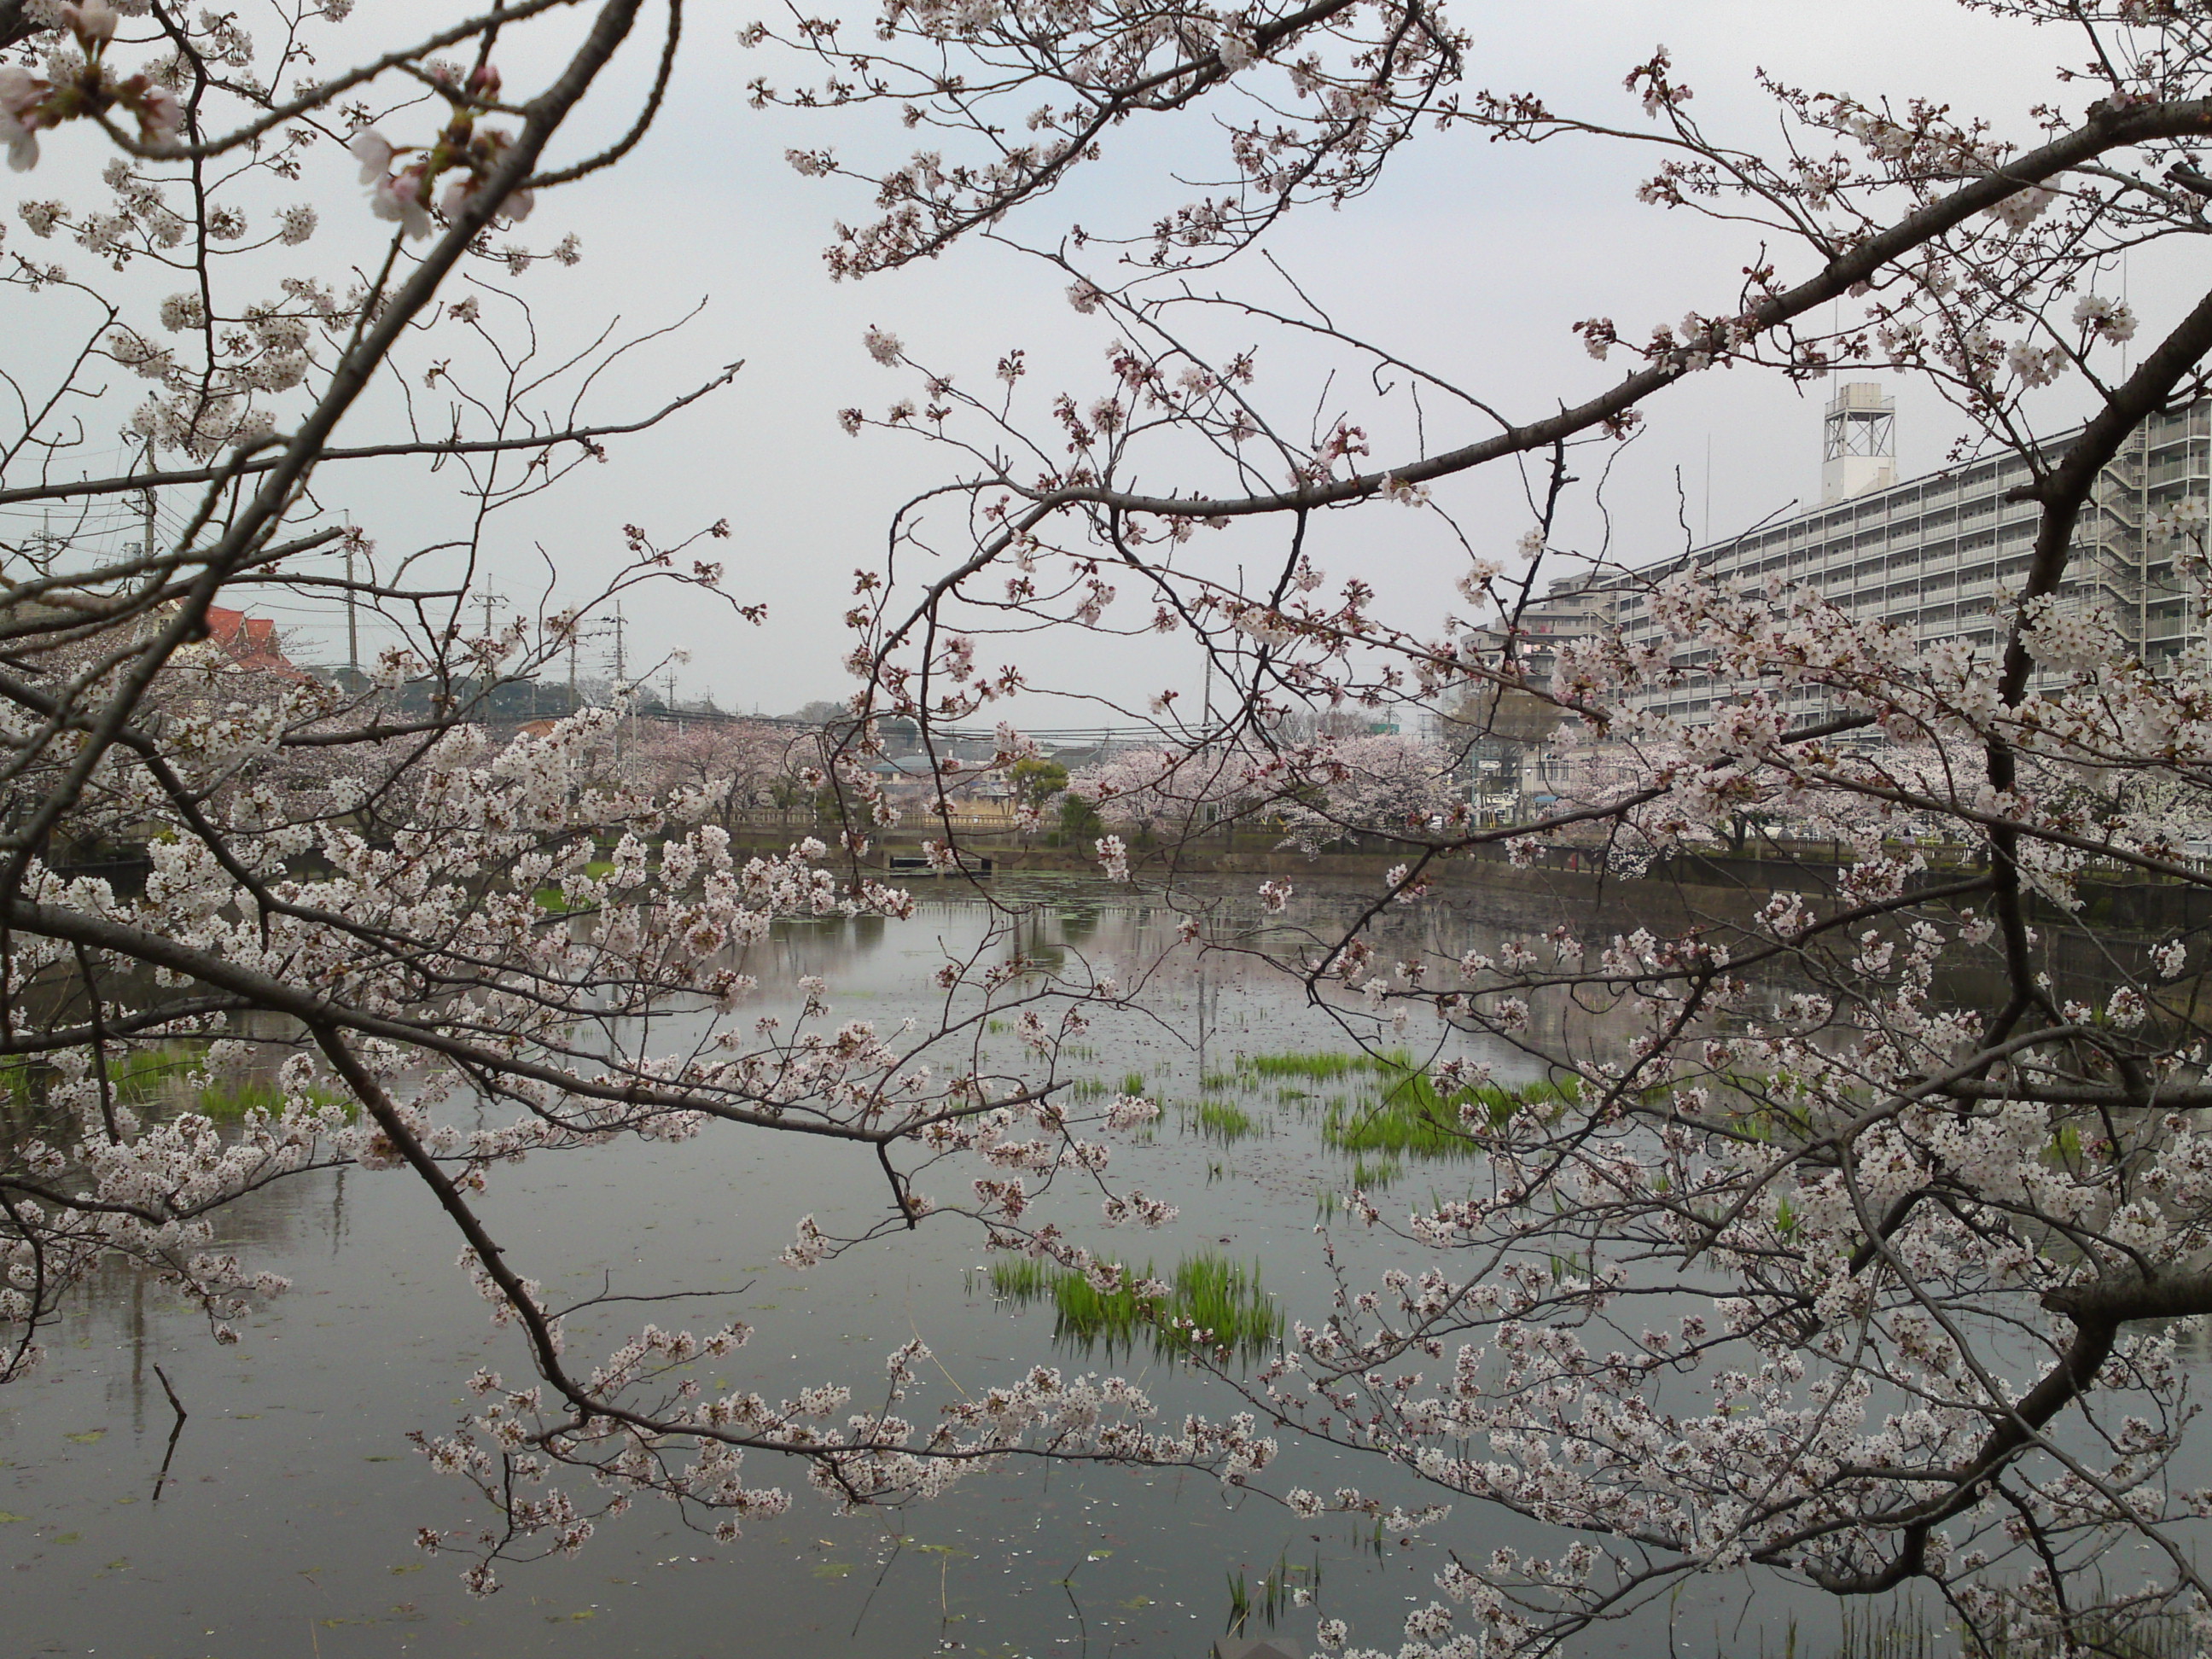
pixel 1816 1258
pixel 1858 1232
pixel 450 944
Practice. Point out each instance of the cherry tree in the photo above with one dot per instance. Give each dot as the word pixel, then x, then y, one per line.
pixel 734 765
pixel 1818 1271
pixel 1380 787
pixel 1317 792
pixel 1163 793
pixel 459 932
pixel 1824 1268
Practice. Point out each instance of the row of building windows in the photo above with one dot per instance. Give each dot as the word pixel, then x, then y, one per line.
pixel 1932 554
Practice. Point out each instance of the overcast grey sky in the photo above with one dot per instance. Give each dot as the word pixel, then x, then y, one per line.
pixel 1473 257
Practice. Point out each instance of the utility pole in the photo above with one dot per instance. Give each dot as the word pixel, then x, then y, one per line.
pixel 621 681
pixel 490 678
pixel 1709 490
pixel 353 619
pixel 147 548
pixel 353 627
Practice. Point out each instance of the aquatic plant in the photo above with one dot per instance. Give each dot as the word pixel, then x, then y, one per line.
pixel 1212 1306
pixel 1405 1115
pixel 1220 1119
pixel 1373 1177
pixel 1275 1594
pixel 1319 1067
pixel 229 1100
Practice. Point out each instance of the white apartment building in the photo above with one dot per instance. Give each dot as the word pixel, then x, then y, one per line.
pixel 1930 555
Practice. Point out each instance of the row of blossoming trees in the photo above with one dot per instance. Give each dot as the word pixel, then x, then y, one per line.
pixel 1914 1259
pixel 1328 791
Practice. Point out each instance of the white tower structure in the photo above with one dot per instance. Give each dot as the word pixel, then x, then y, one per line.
pixel 1858 442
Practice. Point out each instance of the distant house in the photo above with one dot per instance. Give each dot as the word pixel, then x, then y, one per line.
pixel 911 779
pixel 250 642
pixel 906 777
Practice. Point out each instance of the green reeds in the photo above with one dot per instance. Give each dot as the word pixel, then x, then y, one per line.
pixel 1212 1305
pixel 1407 1117
pixel 169 1077
pixel 1321 1067
pixel 1273 1596
pixel 228 1101
pixel 1374 1177
pixel 142 1073
pixel 1220 1119
pixel 1908 1630
pixel 1017 1278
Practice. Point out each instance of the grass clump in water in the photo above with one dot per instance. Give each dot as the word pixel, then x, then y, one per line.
pixel 1212 1303
pixel 1017 1278
pixel 143 1073
pixel 1320 1067
pixel 230 1101
pixel 1374 1177
pixel 1221 1120
pixel 1407 1117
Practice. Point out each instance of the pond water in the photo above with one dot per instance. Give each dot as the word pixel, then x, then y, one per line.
pixel 286 1523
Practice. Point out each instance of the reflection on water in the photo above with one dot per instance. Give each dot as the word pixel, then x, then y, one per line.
pixel 286 1524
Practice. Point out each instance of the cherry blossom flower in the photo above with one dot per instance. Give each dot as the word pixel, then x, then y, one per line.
pixel 1113 858
pixel 399 198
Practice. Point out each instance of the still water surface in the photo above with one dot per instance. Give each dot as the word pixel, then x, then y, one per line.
pixel 286 1528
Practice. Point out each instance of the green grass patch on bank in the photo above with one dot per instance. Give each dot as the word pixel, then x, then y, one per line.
pixel 549 897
